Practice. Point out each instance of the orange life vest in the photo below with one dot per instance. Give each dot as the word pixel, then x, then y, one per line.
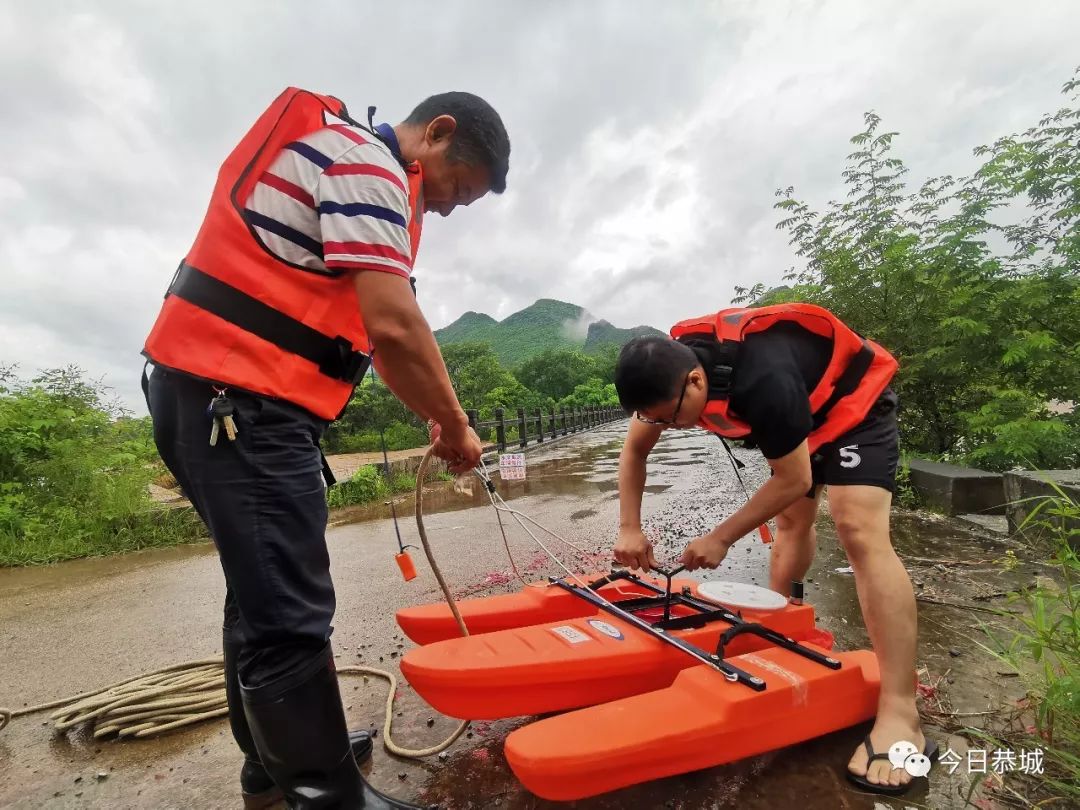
pixel 858 371
pixel 239 316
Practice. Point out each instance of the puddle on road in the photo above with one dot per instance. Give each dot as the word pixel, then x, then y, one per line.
pixel 691 489
pixel 551 472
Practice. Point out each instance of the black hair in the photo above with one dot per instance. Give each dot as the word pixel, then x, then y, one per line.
pixel 480 138
pixel 650 370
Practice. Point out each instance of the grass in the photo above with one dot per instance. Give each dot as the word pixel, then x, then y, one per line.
pixel 369 484
pixel 1042 642
pixel 112 514
pixel 68 535
pixel 905 494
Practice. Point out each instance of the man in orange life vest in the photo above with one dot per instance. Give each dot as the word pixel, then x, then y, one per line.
pixel 815 397
pixel 299 278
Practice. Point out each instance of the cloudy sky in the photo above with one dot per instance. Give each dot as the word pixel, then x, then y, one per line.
pixel 648 138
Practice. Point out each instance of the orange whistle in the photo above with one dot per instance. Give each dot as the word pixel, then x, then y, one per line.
pixel 405 563
pixel 765 532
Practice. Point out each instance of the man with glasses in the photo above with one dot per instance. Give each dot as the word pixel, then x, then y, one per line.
pixel 814 396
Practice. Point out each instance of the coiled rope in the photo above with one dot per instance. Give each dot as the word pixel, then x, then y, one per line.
pixel 149 704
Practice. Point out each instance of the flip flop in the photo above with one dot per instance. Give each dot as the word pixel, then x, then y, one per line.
pixel 930 752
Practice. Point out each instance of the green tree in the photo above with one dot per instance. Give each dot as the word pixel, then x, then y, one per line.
pixel 479 380
pixel 74 472
pixel 605 361
pixel 474 370
pixel 556 372
pixel 594 392
pixel 374 408
pixel 513 395
pixel 972 283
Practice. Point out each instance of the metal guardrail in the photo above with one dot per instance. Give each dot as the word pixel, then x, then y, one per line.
pixel 538 425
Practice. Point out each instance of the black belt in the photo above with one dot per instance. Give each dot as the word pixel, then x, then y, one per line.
pixel 847 383
pixel 334 356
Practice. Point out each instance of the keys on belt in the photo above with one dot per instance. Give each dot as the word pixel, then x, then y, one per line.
pixel 221 410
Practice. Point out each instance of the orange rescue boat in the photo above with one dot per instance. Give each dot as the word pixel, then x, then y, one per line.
pixel 670 680
pixel 588 654
pixel 701 720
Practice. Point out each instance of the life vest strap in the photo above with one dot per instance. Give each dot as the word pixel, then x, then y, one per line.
pixel 719 360
pixel 847 382
pixel 334 356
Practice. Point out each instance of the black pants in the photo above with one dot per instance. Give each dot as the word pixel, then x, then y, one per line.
pixel 263 500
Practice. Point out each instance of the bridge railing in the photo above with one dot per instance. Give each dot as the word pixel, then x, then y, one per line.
pixel 513 429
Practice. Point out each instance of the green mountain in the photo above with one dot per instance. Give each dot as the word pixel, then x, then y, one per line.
pixel 602 333
pixel 546 324
pixel 472 327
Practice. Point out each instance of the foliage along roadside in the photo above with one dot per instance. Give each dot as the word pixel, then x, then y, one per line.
pixel 75 469
pixel 1042 643
pixel 368 484
pixel 972 282
pixel 74 472
pixel 556 378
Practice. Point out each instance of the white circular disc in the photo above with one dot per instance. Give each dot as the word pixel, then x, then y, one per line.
pixel 741 595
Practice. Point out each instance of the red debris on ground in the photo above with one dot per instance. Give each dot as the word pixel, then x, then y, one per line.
pixel 538 562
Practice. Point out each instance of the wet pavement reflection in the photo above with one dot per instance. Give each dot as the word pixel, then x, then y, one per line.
pixel 86 623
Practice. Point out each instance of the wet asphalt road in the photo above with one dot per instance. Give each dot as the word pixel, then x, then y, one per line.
pixel 87 623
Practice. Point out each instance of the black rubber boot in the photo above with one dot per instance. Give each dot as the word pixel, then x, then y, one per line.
pixel 256 785
pixel 298 725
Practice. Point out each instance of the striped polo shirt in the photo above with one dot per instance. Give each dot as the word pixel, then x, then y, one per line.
pixel 336 199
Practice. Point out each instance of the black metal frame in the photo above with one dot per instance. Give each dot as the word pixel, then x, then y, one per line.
pixel 627 610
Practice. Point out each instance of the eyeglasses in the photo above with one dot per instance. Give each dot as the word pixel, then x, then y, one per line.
pixel 675 416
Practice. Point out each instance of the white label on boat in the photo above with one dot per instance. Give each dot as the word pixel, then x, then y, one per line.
pixel 571 634
pixel 799 686
pixel 606 629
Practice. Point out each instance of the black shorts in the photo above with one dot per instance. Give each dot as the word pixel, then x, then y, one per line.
pixel 867 454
